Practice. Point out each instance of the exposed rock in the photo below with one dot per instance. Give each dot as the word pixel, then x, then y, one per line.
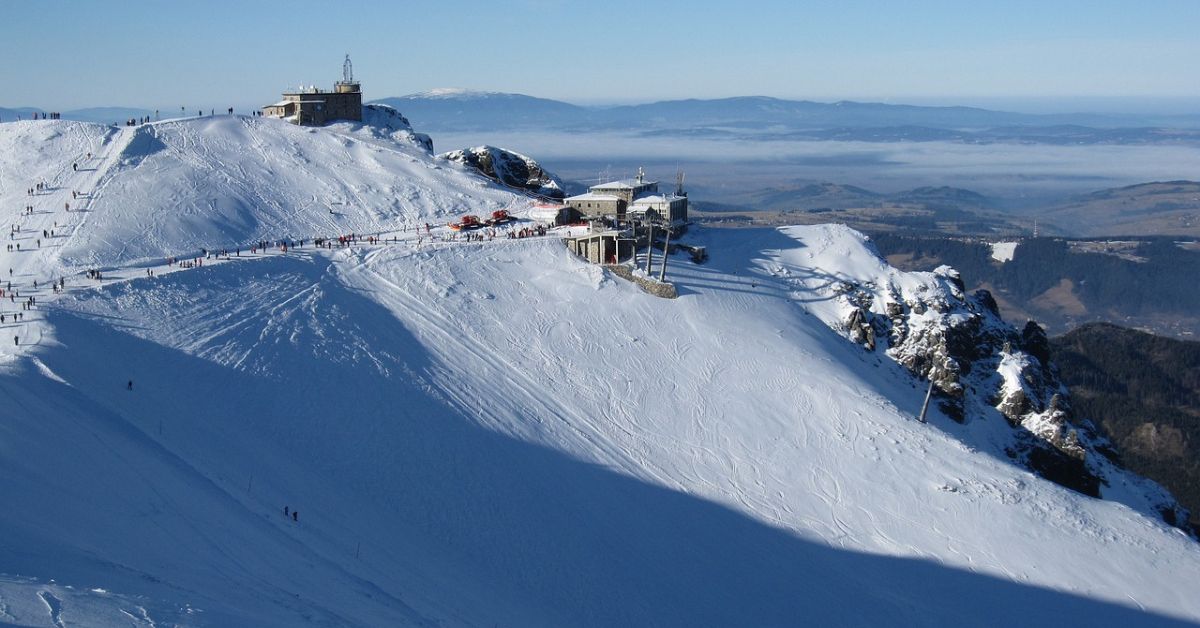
pixel 985 298
pixel 1014 405
pixel 509 168
pixel 981 368
pixel 1035 342
pixel 960 343
pixel 860 329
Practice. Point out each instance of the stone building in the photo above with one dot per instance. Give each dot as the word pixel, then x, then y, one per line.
pixel 632 199
pixel 604 247
pixel 315 107
pixel 668 208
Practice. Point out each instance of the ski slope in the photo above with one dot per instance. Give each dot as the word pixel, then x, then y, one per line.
pixel 490 433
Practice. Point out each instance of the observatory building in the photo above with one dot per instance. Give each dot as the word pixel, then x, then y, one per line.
pixel 636 199
pixel 314 107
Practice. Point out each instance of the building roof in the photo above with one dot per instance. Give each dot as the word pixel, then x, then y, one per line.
pixel 592 196
pixel 281 103
pixel 607 233
pixel 623 184
pixel 654 199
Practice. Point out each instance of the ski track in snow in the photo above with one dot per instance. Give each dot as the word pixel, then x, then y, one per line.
pixel 733 393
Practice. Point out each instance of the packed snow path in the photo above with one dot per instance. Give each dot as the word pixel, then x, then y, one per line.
pixel 59 203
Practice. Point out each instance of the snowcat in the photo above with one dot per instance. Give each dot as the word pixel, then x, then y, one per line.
pixel 467 222
pixel 499 217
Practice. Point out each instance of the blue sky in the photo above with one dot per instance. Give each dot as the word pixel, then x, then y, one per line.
pixel 1022 54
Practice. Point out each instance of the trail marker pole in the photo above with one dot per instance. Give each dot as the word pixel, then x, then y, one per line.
pixel 925 406
pixel 662 273
pixel 650 248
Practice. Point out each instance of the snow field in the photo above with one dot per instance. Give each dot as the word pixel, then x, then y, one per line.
pixel 497 433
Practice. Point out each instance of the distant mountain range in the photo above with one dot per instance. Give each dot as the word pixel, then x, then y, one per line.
pixel 462 110
pixel 750 117
pixel 760 117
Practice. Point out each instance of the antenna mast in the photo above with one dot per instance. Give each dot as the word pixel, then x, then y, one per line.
pixel 347 70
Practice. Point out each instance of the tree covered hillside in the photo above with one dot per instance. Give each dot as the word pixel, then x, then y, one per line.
pixel 1144 393
pixel 1063 283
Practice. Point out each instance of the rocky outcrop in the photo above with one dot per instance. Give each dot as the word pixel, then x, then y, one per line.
pixel 984 372
pixel 929 324
pixel 385 121
pixel 509 168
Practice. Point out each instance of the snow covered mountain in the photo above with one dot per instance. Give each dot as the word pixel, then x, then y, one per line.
pixel 470 110
pixel 495 433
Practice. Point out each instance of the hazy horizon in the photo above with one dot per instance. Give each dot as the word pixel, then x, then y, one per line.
pixel 1041 106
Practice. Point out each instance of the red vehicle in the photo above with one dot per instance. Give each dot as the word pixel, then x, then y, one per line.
pixel 468 222
pixel 499 217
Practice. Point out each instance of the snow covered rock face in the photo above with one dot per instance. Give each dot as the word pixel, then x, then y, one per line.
pixel 512 169
pixel 979 365
pixel 386 122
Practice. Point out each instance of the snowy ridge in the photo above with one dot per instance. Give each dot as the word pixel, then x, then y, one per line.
pixel 452 93
pixel 494 433
pixel 176 187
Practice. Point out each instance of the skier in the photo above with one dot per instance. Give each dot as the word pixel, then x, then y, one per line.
pixel 295 515
pixel 286 514
pixel 130 385
pixel 75 167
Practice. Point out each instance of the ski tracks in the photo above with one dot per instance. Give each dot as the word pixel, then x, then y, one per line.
pixel 435 326
pixel 139 616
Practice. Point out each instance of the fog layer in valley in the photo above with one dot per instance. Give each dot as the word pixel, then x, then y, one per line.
pixel 720 170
